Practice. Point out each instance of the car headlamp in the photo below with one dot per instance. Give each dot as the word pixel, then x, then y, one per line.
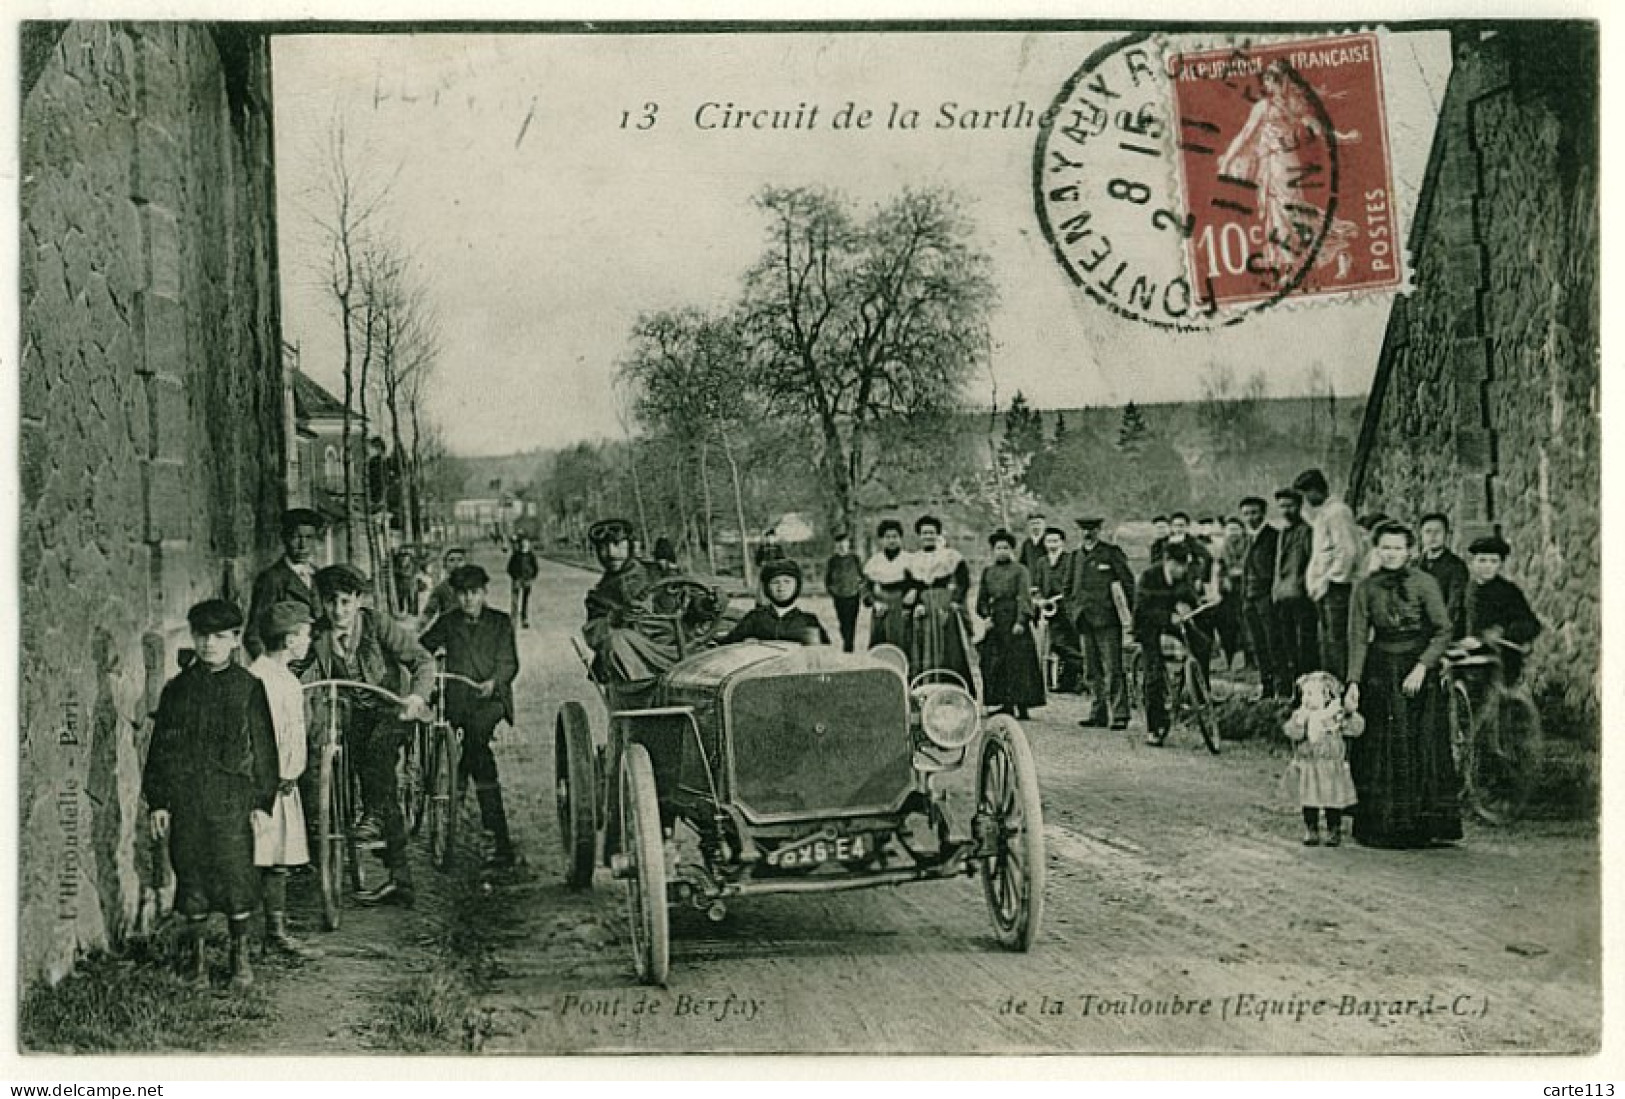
pixel 947 715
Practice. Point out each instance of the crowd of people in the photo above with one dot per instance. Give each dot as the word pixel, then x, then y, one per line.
pixel 1353 617
pixel 227 774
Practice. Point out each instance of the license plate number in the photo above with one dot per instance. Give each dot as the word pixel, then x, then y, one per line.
pixel 821 850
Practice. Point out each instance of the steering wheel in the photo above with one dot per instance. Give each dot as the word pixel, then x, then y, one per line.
pixel 694 609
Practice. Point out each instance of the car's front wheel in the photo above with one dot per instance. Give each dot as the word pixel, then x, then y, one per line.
pixel 644 846
pixel 1013 873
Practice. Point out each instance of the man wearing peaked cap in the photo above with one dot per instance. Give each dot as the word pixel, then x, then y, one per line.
pixel 628 654
pixel 1098 593
pixel 291 578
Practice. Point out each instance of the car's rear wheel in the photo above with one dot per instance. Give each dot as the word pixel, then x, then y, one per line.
pixel 1013 874
pixel 575 786
pixel 644 847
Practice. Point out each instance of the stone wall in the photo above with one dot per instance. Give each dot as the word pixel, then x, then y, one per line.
pixel 151 426
pixel 1485 403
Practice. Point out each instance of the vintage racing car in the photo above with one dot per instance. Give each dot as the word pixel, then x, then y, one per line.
pixel 768 767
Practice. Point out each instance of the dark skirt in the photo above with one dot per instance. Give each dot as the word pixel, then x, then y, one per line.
pixel 1011 675
pixel 938 638
pixel 1403 771
pixel 890 627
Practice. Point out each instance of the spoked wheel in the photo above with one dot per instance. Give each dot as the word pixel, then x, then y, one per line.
pixel 1200 700
pixel 330 840
pixel 1506 764
pixel 442 814
pixel 410 786
pixel 1461 735
pixel 575 786
pixel 1007 799
pixel 643 847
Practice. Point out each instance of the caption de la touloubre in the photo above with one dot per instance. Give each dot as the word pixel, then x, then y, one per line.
pixel 715 116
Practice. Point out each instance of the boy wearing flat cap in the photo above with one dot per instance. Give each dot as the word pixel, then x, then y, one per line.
pixel 354 642
pixel 779 619
pixel 212 762
pixel 476 641
pixel 1496 609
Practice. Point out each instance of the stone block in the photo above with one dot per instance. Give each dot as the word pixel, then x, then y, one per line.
pixel 164 344
pixel 161 235
pixel 168 419
pixel 166 502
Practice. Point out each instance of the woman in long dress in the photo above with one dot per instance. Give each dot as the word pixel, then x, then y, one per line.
pixel 1398 632
pixel 1012 680
pixel 888 590
pixel 941 580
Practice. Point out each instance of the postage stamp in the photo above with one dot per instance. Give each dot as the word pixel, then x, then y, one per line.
pixel 1284 168
pixel 1189 190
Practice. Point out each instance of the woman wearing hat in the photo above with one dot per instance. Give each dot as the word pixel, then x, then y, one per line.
pixel 1398 632
pixel 942 581
pixel 889 593
pixel 1011 678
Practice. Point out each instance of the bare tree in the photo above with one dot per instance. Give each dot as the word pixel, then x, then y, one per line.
pixel 348 203
pixel 861 327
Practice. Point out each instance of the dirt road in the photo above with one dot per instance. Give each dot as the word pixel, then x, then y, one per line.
pixel 1183 916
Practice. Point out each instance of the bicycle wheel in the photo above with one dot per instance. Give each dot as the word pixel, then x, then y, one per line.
pixel 330 841
pixel 349 798
pixel 1506 761
pixel 409 781
pixel 442 816
pixel 1201 704
pixel 1461 738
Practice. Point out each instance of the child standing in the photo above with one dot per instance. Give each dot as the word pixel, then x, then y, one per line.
pixel 279 836
pixel 1320 764
pixel 212 762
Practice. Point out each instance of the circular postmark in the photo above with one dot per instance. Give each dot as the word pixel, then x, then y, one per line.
pixel 1186 190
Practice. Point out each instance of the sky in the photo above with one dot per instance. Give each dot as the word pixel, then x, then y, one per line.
pixel 543 221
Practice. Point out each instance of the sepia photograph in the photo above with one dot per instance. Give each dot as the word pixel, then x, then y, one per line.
pixel 885 537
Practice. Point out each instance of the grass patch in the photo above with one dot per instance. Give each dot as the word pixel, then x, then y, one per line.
pixel 135 1001
pixel 427 1014
pixel 1240 718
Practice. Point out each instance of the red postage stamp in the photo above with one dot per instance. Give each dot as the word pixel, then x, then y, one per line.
pixel 1284 167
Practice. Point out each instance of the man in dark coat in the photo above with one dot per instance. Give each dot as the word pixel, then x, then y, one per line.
pixel 779 619
pixel 443 599
pixel 1166 589
pixel 1257 610
pixel 843 581
pixel 1447 570
pixel 523 568
pixel 1297 623
pixel 355 642
pixel 1032 547
pixel 477 642
pixel 1097 568
pixel 1051 573
pixel 1496 610
pixel 211 763
pixel 629 652
pixel 290 579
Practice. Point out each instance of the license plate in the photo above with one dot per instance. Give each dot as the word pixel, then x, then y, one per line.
pixel 821 848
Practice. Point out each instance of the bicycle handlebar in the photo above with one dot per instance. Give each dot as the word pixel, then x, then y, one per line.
pixel 454 677
pixel 355 684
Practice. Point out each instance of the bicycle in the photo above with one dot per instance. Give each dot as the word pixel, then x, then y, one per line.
pixel 1495 741
pixel 337 799
pixel 1191 691
pixel 440 751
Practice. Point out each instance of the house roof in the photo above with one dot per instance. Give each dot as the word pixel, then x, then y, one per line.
pixel 312 402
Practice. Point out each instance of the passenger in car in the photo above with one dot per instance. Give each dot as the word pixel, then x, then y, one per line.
pixel 779 619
